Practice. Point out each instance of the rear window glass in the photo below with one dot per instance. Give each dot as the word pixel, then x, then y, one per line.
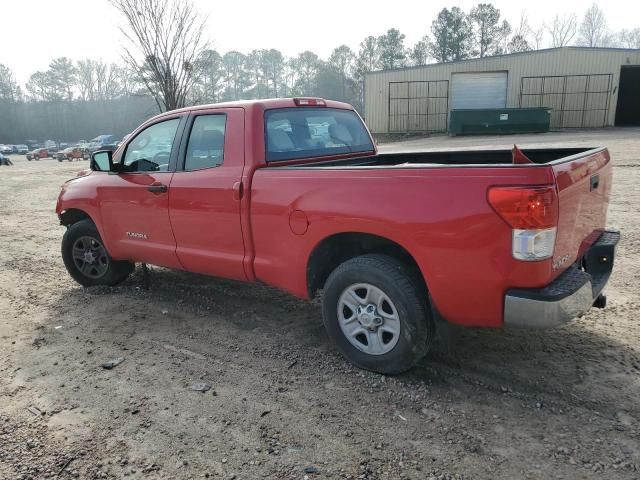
pixel 294 133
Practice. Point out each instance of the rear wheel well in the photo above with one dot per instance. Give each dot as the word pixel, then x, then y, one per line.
pixel 73 215
pixel 339 248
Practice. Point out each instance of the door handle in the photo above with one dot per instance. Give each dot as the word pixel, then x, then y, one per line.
pixel 238 190
pixel 157 188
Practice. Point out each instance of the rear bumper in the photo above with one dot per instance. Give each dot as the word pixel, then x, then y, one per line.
pixel 568 296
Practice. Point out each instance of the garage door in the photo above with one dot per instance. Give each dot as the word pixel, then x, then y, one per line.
pixel 479 90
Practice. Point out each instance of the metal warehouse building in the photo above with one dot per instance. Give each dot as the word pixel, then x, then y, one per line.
pixel 583 87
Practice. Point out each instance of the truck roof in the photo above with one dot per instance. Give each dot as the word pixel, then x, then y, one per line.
pixel 264 104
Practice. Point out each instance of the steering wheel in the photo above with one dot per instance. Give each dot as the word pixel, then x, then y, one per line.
pixel 143 165
pixel 161 158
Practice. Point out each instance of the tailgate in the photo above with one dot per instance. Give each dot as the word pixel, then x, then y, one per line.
pixel 584 185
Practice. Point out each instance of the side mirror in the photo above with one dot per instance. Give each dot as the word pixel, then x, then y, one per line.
pixel 102 161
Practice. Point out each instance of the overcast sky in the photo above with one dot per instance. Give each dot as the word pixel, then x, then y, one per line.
pixel 35 31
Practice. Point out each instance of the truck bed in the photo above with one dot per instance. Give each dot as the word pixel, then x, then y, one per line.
pixel 433 204
pixel 540 156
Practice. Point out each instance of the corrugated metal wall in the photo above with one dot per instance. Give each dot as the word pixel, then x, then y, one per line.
pixel 557 63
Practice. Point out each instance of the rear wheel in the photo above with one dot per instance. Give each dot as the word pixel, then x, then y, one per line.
pixel 87 259
pixel 375 312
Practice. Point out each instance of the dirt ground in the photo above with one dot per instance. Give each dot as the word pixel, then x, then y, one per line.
pixel 283 404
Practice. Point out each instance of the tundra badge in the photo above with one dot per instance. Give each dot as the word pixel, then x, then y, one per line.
pixel 142 236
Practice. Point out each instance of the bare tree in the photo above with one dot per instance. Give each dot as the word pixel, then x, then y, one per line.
pixel 165 39
pixel 87 78
pixel 593 29
pixel 537 37
pixel 39 88
pixel 562 30
pixel 129 83
pixel 629 38
pixel 525 37
pixel 9 89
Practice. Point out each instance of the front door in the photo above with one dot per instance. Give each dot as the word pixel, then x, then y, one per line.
pixel 204 204
pixel 135 203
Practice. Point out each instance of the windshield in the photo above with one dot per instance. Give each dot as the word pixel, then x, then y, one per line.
pixel 295 133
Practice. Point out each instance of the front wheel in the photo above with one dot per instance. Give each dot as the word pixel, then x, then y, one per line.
pixel 87 259
pixel 376 313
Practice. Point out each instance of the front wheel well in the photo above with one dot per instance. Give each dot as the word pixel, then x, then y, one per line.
pixel 73 215
pixel 337 249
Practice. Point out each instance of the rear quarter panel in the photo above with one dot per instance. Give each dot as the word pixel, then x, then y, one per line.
pixel 440 215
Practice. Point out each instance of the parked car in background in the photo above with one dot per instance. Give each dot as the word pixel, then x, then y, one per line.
pixel 22 149
pixel 38 154
pixel 6 149
pixel 72 153
pixel 101 141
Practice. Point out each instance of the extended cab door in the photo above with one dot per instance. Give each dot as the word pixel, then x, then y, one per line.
pixel 134 203
pixel 204 204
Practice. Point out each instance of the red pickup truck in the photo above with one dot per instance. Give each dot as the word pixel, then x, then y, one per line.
pixel 293 193
pixel 38 154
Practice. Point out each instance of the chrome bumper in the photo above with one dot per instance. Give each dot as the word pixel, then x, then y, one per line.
pixel 568 296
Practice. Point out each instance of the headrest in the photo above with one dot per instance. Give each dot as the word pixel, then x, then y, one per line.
pixel 339 132
pixel 300 131
pixel 279 140
pixel 210 140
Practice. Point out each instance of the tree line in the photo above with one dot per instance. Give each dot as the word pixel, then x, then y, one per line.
pixel 168 64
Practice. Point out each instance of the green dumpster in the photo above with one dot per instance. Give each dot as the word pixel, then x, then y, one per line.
pixel 499 121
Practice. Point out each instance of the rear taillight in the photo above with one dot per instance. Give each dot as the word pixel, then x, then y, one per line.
pixel 532 213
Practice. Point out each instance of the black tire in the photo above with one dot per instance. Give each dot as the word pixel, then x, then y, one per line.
pixel 108 272
pixel 400 285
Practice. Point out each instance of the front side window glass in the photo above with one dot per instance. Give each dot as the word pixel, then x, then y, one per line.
pixel 150 150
